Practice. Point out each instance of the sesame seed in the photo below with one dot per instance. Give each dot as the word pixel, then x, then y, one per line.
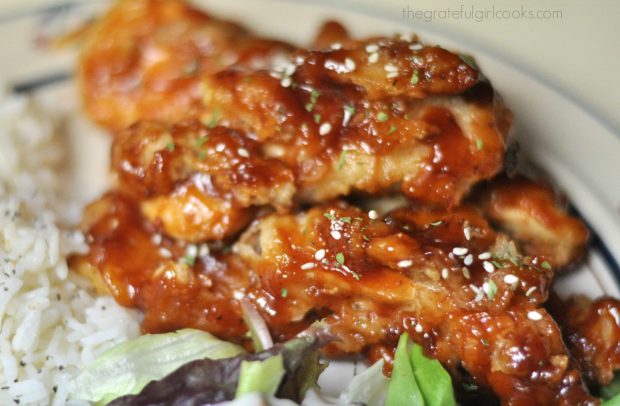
pixel 373 58
pixel 191 250
pixel 534 315
pixel 156 239
pixel 220 147
pixel 469 259
pixel 390 249
pixel 349 64
pixel 418 328
pixel 460 251
pixel 307 265
pixel 416 47
pixel 484 255
pixel 479 292
pixel 390 68
pixel 325 128
pixel 444 273
pixel 336 45
pixel 165 252
pixel 371 48
pixel 373 215
pixel 336 234
pixel 511 279
pixel 530 291
pixel 405 263
pixel 466 273
pixel 488 266
pixel 467 233
pixel 392 75
pixel 203 251
pixel 243 153
pixel 320 254
pixel 286 82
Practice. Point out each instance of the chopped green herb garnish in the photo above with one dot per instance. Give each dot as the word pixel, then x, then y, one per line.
pixel 382 116
pixel 200 141
pixel 356 275
pixel 392 129
pixel 350 109
pixel 415 77
pixel 479 144
pixel 171 146
pixel 189 260
pixel 340 258
pixel 546 265
pixel 484 342
pixel 309 107
pixel 491 290
pixel 284 292
pixel 497 264
pixel 215 117
pixel 202 155
pixel 346 220
pixel 317 118
pixel 314 96
pixel 330 216
pixel 342 160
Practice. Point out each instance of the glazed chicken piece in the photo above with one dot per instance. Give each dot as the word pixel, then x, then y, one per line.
pixel 173 283
pixel 592 333
pixel 198 182
pixel 468 297
pixel 386 113
pixel 458 288
pixel 534 215
pixel 144 59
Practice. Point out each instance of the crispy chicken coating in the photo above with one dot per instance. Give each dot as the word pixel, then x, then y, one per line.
pixel 592 332
pixel 385 113
pixel 195 182
pixel 469 297
pixel 144 58
pixel 536 216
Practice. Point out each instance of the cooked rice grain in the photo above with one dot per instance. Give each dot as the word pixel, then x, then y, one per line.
pixel 51 322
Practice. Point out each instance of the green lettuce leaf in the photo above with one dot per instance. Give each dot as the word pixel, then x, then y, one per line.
pixel 613 389
pixel 128 367
pixel 368 388
pixel 403 388
pixel 615 401
pixel 208 381
pixel 418 380
pixel 434 381
pixel 260 376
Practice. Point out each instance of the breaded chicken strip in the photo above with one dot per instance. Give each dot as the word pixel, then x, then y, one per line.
pixel 386 113
pixel 195 182
pixel 592 333
pixel 468 296
pixel 536 216
pixel 143 60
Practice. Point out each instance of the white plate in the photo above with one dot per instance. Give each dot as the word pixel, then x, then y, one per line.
pixel 579 152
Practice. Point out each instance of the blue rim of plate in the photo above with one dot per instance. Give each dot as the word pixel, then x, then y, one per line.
pixel 596 242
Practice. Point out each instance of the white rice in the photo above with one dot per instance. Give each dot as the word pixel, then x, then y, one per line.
pixel 51 322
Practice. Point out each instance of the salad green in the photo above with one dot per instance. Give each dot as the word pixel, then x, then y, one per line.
pixel 128 367
pixel 417 379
